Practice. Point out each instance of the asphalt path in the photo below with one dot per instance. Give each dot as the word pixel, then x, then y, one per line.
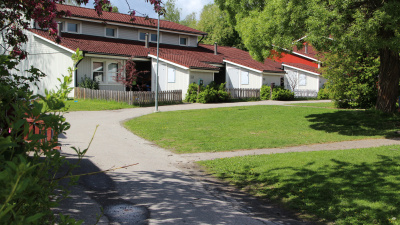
pixel 154 185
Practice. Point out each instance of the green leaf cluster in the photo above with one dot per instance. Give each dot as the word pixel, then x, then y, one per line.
pixel 211 93
pixel 86 82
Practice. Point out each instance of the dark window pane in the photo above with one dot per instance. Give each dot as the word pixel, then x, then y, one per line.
pixel 73 27
pixel 110 32
pixel 183 41
pixel 153 37
pixel 142 36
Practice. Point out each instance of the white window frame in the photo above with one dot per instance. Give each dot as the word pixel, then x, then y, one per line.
pixel 187 40
pixel 115 32
pixel 78 29
pixel 149 33
pixel 106 75
pixel 171 74
pixel 302 82
pixel 244 77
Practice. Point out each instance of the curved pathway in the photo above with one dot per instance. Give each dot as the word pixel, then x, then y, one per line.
pixel 162 188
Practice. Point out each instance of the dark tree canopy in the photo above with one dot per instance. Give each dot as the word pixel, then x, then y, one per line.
pixel 341 26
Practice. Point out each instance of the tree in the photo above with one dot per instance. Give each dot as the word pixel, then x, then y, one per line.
pixel 190 20
pixel 338 27
pixel 352 79
pixel 215 23
pixel 172 13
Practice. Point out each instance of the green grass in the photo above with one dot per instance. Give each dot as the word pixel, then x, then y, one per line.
pixel 358 186
pixel 95 105
pixel 256 127
pixel 330 105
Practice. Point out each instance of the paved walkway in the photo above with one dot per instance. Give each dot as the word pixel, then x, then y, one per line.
pixel 163 188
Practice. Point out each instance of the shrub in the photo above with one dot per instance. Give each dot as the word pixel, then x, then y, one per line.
pixel 282 94
pixel 86 82
pixel 265 92
pixel 211 93
pixel 323 93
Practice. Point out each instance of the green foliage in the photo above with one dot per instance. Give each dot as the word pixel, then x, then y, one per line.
pixel 86 82
pixel 339 27
pixel 208 94
pixel 352 80
pixel 279 93
pixel 265 92
pixel 28 165
pixel 172 13
pixel 215 22
pixel 354 186
pixel 323 93
pixel 190 20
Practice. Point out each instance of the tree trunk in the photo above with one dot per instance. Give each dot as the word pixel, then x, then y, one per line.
pixel 388 83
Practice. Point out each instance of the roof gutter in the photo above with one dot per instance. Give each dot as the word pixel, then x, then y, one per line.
pixel 202 37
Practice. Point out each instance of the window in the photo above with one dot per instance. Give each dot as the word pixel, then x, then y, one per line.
pixel 72 27
pixel 112 72
pixel 171 75
pixel 142 36
pixel 98 71
pixel 302 80
pixel 245 77
pixel 110 32
pixel 183 41
pixel 153 37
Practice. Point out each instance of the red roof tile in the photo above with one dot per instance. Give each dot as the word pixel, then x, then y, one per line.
pixel 311 52
pixel 191 57
pixel 124 18
pixel 303 67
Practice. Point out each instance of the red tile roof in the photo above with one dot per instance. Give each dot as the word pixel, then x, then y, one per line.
pixel 303 67
pixel 311 52
pixel 124 18
pixel 191 57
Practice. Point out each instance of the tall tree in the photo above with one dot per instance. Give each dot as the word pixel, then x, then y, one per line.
pixel 340 26
pixel 190 20
pixel 215 23
pixel 172 12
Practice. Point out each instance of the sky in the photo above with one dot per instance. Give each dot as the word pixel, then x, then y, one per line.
pixel 143 7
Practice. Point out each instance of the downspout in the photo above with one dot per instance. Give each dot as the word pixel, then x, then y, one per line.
pixel 200 40
pixel 76 71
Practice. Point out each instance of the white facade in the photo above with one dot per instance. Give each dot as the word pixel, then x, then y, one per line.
pixel 176 77
pixel 302 79
pixel 48 57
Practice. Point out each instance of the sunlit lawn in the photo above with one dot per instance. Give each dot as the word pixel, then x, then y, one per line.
pixel 358 186
pixel 256 127
pixel 95 105
pixel 330 105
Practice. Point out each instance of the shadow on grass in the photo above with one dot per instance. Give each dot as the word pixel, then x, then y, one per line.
pixel 343 192
pixel 356 123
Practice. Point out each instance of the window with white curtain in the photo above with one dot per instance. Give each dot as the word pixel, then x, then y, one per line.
pixel 302 79
pixel 245 77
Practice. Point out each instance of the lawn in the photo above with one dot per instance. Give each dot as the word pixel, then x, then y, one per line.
pixel 257 127
pixel 95 105
pixel 330 105
pixel 358 186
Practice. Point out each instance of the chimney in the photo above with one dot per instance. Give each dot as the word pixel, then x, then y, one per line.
pixel 306 48
pixel 59 28
pixel 215 48
pixel 146 40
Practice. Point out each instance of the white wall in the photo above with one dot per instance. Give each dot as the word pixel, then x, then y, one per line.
pixel 235 77
pixel 268 79
pixel 312 81
pixel 50 59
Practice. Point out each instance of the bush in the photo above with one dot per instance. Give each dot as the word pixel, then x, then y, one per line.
pixel 265 92
pixel 282 94
pixel 323 93
pixel 211 93
pixel 86 82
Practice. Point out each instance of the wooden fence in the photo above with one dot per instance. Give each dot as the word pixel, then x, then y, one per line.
pixel 305 93
pixel 130 97
pixel 241 93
